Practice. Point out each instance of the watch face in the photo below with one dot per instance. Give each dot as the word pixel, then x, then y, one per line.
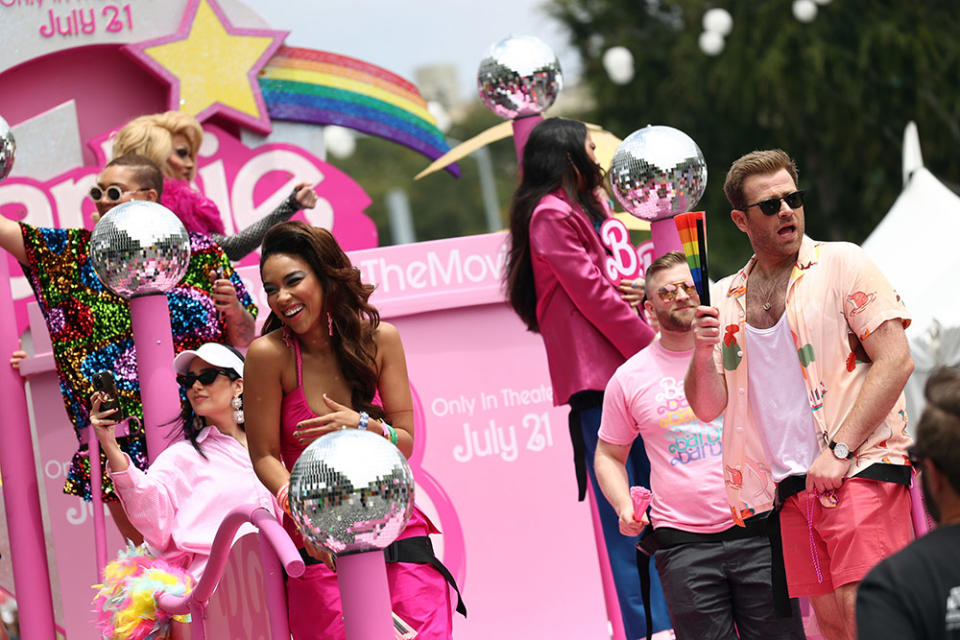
pixel 841 450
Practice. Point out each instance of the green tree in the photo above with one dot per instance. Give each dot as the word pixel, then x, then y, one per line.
pixel 835 94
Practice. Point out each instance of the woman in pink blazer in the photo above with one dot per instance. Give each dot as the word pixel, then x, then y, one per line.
pixel 557 283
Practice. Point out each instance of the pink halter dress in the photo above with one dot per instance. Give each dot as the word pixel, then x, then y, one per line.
pixel 419 589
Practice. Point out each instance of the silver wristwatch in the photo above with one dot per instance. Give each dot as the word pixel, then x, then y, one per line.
pixel 840 450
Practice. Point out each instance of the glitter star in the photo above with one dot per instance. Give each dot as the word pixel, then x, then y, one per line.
pixel 212 66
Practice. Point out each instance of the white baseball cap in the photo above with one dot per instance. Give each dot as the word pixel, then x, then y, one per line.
pixel 216 354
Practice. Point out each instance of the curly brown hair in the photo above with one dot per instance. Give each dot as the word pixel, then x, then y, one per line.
pixel 345 298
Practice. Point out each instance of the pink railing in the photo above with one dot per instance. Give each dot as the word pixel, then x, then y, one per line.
pixel 277 553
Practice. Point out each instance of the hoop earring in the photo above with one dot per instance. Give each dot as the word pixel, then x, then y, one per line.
pixel 237 404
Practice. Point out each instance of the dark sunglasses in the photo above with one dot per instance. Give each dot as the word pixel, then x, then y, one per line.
pixel 206 377
pixel 113 194
pixel 668 292
pixel 772 206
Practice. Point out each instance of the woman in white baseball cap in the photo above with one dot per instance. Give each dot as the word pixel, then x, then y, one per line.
pixel 180 501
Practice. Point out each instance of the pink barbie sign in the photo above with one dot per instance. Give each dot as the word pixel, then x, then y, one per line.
pixel 492 458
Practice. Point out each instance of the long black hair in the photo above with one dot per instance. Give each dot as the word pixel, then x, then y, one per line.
pixel 345 298
pixel 555 157
pixel 190 423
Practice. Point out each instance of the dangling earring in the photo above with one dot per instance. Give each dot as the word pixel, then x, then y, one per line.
pixel 237 404
pixel 329 324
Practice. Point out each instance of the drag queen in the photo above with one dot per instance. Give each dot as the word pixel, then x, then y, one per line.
pixel 172 140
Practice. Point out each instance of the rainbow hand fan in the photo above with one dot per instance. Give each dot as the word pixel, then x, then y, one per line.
pixel 692 227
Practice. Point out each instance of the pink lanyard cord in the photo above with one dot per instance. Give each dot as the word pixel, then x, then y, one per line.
pixel 813 547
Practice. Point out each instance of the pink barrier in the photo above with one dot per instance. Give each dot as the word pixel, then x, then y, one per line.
pixel 277 553
pixel 21 495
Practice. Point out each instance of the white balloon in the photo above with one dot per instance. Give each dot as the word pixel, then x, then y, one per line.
pixel 718 20
pixel 439 114
pixel 711 43
pixel 618 61
pixel 339 141
pixel 804 10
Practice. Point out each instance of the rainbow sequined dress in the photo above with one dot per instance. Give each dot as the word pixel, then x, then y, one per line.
pixel 90 329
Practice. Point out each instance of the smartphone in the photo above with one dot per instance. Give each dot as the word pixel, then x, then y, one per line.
pixel 104 383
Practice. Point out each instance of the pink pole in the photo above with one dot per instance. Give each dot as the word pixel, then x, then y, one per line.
pixel 665 236
pixel 365 596
pixel 614 614
pixel 273 584
pixel 96 495
pixel 918 509
pixel 150 321
pixel 21 491
pixel 521 132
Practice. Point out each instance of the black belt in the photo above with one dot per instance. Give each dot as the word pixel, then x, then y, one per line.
pixel 580 402
pixel 791 486
pixel 418 550
pixel 667 537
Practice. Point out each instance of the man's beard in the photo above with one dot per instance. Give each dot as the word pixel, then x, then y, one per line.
pixel 675 323
pixel 932 507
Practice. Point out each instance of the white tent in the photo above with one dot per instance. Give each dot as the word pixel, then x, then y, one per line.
pixel 913 246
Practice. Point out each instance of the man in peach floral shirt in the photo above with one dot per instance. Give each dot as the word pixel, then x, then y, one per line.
pixel 807 356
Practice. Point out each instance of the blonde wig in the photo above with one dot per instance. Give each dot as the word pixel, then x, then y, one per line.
pixel 152 136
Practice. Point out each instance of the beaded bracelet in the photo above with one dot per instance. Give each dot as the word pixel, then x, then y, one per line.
pixel 364 419
pixel 389 432
pixel 283 498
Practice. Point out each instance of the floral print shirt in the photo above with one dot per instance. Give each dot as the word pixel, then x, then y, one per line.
pixel 836 297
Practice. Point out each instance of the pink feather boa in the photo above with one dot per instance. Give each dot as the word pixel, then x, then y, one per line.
pixel 195 210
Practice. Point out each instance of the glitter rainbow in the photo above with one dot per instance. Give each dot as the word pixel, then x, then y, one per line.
pixel 306 85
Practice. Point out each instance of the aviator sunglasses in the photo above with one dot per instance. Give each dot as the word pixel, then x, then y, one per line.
pixel 772 206
pixel 669 292
pixel 206 377
pixel 113 194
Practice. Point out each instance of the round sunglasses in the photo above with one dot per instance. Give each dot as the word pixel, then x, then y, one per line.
pixel 771 206
pixel 111 193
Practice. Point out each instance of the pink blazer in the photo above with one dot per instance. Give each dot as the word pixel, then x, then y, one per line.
pixel 587 328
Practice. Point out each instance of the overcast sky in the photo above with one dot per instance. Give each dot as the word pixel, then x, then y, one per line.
pixel 401 35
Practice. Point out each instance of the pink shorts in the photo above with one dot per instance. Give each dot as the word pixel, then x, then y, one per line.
pixel 827 548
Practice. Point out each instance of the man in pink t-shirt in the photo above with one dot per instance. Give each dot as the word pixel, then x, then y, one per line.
pixel 716 576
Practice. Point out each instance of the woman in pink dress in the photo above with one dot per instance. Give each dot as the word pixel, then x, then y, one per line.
pixel 322 361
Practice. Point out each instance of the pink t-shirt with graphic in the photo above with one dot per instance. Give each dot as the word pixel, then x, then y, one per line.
pixel 645 398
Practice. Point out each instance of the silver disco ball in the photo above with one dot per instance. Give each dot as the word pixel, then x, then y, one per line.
pixel 140 248
pixel 520 76
pixel 658 172
pixel 8 149
pixel 351 490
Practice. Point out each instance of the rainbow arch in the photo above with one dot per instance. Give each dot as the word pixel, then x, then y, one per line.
pixel 306 85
